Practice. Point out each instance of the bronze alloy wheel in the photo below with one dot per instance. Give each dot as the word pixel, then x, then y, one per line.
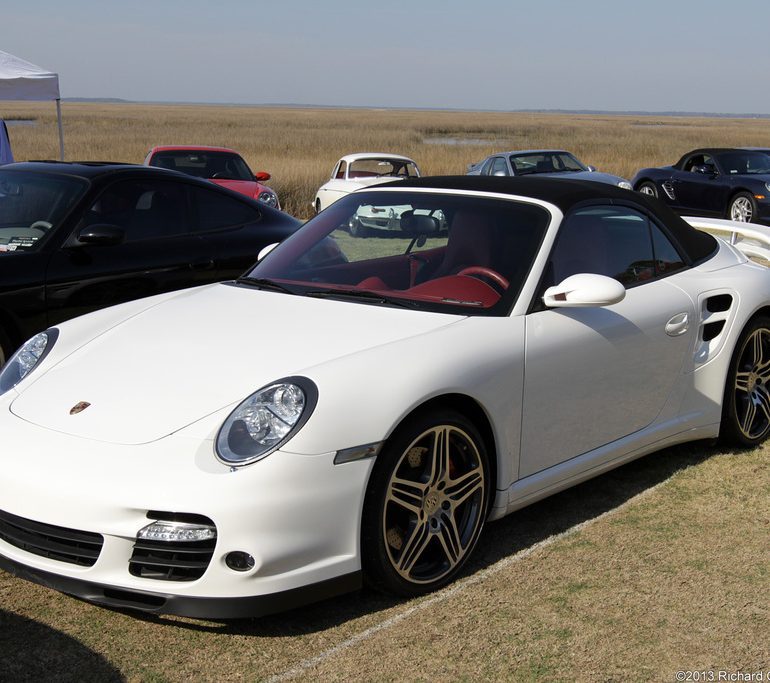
pixel 430 503
pixel 752 385
pixel 746 414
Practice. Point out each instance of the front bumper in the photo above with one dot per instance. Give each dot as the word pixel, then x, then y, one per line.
pixel 188 606
pixel 298 516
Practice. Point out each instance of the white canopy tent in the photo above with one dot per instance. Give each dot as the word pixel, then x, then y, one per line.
pixel 21 80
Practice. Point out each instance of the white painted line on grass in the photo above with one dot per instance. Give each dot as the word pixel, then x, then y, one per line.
pixel 451 590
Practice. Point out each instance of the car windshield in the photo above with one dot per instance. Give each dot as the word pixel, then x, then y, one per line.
pixel 204 164
pixel 741 163
pixel 545 162
pixel 373 168
pixel 423 250
pixel 32 205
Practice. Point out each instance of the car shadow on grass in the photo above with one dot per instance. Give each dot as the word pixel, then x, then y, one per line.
pixel 57 656
pixel 514 533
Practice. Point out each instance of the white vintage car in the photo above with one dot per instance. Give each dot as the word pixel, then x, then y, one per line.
pixel 358 409
pixel 354 171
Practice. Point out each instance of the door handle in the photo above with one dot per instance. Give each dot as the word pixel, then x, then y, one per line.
pixel 678 325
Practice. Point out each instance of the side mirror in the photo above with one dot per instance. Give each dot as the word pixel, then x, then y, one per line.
pixel 262 176
pixel 101 234
pixel 592 169
pixel 584 290
pixel 266 250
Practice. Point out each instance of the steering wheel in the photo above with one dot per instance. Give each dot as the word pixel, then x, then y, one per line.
pixel 41 225
pixel 488 273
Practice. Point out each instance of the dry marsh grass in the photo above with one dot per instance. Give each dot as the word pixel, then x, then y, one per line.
pixel 299 146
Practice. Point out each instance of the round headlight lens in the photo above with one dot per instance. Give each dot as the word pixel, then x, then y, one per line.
pixel 625 185
pixel 269 198
pixel 26 358
pixel 263 422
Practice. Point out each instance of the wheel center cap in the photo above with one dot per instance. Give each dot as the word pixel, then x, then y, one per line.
pixel 432 502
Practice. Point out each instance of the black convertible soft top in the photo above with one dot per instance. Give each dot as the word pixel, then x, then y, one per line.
pixel 567 194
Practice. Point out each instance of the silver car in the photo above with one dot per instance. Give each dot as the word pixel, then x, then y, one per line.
pixel 547 162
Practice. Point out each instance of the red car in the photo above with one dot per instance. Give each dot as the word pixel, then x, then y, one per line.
pixel 220 165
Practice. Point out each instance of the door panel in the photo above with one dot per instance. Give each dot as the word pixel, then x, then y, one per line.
pixel 594 375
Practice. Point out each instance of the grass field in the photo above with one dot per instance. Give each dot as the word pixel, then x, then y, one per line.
pixel 658 567
pixel 300 146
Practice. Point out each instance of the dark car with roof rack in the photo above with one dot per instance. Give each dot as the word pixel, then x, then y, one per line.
pixel 78 236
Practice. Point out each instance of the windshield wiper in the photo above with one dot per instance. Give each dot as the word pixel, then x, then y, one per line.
pixel 361 294
pixel 264 283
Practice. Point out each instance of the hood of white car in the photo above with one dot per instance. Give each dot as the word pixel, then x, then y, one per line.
pixel 196 353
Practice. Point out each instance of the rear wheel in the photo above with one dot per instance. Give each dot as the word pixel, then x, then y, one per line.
pixel 746 406
pixel 426 504
pixel 743 208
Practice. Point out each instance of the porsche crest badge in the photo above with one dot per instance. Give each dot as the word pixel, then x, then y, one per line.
pixel 79 407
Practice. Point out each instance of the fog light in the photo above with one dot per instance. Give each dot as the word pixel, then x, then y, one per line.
pixel 239 561
pixel 177 532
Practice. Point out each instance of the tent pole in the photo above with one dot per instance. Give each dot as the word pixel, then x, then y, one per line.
pixel 61 130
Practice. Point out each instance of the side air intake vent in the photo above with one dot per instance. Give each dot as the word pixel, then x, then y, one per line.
pixel 719 303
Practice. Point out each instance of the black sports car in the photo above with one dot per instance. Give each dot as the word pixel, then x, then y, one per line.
pixel 75 237
pixel 723 183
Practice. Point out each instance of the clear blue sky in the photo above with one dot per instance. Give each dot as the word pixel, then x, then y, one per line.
pixel 649 55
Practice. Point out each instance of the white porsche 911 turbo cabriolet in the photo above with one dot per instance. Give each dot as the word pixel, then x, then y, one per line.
pixel 357 410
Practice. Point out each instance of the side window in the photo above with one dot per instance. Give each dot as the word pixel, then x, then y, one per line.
pixel 667 258
pixel 143 209
pixel 217 211
pixel 499 167
pixel 487 169
pixel 619 242
pixel 340 174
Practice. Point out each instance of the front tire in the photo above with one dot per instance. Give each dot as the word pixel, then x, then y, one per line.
pixel 746 405
pixel 648 188
pixel 425 505
pixel 742 208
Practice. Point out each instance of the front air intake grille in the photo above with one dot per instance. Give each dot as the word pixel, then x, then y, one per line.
pixel 54 542
pixel 171 560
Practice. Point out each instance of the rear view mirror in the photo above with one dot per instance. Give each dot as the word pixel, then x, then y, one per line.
pixel 416 224
pixel 262 176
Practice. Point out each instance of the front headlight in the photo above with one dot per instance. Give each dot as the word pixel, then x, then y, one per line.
pixel 265 420
pixel 767 185
pixel 625 185
pixel 26 359
pixel 269 198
